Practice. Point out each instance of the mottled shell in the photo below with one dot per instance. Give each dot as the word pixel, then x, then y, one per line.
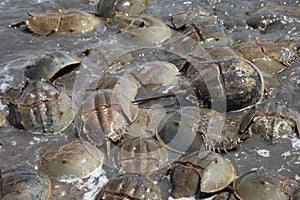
pixel 48 64
pixel 206 170
pixel 42 108
pixel 62 21
pixel 257 185
pixel 130 186
pixel 272 120
pixel 187 129
pixel 272 13
pixel 73 160
pixel 229 83
pixel 108 8
pixel 24 183
pixel 140 155
pixel 270 57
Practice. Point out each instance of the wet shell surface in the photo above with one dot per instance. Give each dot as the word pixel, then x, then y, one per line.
pixel 226 84
pixel 257 185
pixel 72 160
pixel 187 129
pixel 140 24
pixel 108 8
pixel 62 21
pixel 105 114
pixel 205 172
pixel 42 107
pixel 273 121
pixel 46 65
pixel 130 186
pixel 140 155
pixel 24 183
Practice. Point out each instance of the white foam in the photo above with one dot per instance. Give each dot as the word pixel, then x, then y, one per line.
pixel 263 152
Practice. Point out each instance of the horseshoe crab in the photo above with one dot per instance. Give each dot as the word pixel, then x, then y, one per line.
pixel 108 8
pixel 187 129
pixel 271 13
pixel 72 160
pixel 257 185
pixel 106 110
pixel 140 155
pixel 24 183
pixel 41 107
pixel 270 57
pixel 272 121
pixel 130 186
pixel 48 65
pixel 225 84
pixel 200 172
pixel 201 25
pixel 61 22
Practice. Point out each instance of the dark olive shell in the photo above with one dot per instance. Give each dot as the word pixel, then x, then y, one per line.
pixel 24 183
pixel 108 8
pixel 140 155
pixel 130 186
pixel 257 185
pixel 42 107
pixel 48 64
pixel 67 21
pixel 72 160
pixel 196 172
pixel 227 84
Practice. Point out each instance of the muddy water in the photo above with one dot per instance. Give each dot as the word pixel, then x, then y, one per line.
pixel 19 147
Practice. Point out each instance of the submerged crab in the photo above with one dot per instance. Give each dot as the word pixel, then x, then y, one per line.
pixel 272 120
pixel 130 186
pixel 62 21
pixel 201 25
pixel 41 107
pixel 140 25
pixel 257 185
pixel 200 172
pixel 24 183
pixel 140 155
pixel 72 160
pixel 185 130
pixel 108 8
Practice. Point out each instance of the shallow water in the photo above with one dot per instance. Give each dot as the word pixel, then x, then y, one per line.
pixel 18 147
